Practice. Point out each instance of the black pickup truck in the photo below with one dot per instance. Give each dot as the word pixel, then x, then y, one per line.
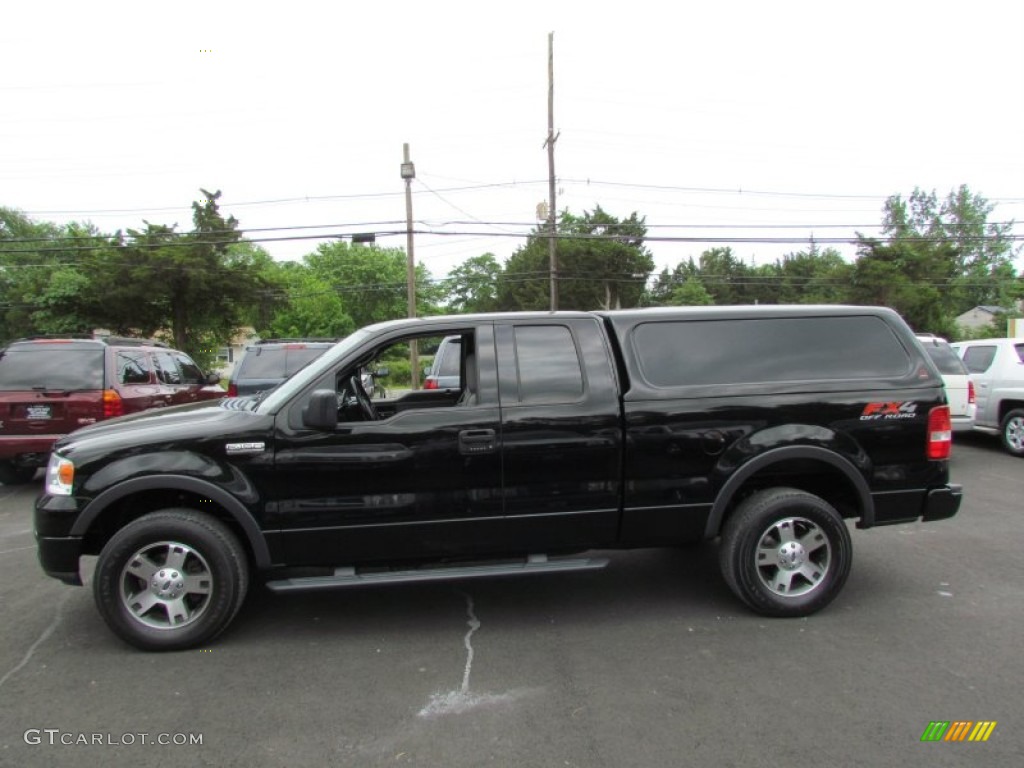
pixel 768 427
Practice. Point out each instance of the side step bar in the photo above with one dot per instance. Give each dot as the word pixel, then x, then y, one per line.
pixel 350 577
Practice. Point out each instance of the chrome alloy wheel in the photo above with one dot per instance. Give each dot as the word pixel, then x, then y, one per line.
pixel 793 557
pixel 1013 433
pixel 166 585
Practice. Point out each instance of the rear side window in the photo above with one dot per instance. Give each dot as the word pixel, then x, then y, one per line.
pixel 945 358
pixel 132 367
pixel 548 365
pixel 1020 351
pixel 766 350
pixel 47 366
pixel 978 359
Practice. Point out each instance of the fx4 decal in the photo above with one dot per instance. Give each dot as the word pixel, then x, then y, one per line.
pixel 899 410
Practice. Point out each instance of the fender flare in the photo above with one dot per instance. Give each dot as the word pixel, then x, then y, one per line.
pixel 738 478
pixel 234 508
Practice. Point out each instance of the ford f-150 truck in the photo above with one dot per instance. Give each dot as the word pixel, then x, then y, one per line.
pixel 766 427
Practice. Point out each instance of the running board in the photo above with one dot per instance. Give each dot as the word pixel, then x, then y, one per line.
pixel 350 577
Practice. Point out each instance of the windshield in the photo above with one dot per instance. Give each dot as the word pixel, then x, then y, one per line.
pixel 284 392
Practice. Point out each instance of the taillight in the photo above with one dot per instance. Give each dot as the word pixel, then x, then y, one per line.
pixel 970 393
pixel 112 404
pixel 232 390
pixel 940 433
pixel 430 384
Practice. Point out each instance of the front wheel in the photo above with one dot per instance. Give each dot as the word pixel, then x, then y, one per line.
pixel 785 552
pixel 171 580
pixel 1011 432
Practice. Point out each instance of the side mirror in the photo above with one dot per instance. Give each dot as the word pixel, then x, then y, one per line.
pixel 322 411
pixel 381 373
pixel 211 379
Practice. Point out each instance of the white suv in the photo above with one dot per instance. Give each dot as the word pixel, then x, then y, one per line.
pixel 997 371
pixel 955 376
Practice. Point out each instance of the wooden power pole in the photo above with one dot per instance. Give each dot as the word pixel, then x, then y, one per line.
pixel 550 144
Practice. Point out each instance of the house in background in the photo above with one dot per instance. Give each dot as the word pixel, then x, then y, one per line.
pixel 979 317
pixel 231 354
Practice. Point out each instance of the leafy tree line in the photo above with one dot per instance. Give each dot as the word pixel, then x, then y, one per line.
pixel 933 260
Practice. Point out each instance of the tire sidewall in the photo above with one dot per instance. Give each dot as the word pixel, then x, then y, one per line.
pixel 1015 414
pixel 207 537
pixel 753 519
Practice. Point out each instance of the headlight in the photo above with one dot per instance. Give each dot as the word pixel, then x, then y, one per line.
pixel 60 476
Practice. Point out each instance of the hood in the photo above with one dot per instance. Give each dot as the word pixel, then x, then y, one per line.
pixel 194 421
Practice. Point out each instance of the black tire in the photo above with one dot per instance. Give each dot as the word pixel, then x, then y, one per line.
pixel 785 552
pixel 171 580
pixel 14 475
pixel 1011 432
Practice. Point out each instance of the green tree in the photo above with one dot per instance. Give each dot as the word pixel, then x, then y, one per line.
pixel 602 263
pixel 372 281
pixel 310 307
pixel 983 253
pixel 473 285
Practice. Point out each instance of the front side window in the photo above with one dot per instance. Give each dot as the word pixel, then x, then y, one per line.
pixel 166 369
pixel 190 372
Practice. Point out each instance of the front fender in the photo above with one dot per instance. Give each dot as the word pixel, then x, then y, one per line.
pixel 199 486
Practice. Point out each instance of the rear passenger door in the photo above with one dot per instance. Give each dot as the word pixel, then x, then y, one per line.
pixel 560 433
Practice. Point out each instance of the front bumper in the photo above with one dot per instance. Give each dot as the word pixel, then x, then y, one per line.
pixel 58 550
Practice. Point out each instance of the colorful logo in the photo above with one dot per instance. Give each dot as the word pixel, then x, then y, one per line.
pixel 958 730
pixel 897 410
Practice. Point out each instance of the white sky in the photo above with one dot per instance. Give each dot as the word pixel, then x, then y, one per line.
pixel 115 112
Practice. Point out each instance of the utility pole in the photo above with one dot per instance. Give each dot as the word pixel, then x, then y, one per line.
pixel 550 144
pixel 409 173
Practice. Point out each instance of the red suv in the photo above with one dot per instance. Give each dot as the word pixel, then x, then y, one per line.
pixel 52 386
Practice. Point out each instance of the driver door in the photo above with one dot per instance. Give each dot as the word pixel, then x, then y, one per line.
pixel 423 481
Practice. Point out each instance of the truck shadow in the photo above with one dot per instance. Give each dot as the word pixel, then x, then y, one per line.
pixel 639 585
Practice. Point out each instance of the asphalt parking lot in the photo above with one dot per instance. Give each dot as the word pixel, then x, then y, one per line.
pixel 650 662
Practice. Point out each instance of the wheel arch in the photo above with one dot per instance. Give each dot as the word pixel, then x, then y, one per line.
pixel 851 495
pixel 111 509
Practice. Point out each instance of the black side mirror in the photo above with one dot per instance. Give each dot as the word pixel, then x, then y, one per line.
pixel 381 373
pixel 211 379
pixel 322 411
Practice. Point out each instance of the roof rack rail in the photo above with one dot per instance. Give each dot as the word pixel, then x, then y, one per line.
pixel 309 339
pixel 41 336
pixel 130 341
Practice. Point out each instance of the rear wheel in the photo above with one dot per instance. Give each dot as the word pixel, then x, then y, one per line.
pixel 1011 432
pixel 785 552
pixel 10 474
pixel 171 580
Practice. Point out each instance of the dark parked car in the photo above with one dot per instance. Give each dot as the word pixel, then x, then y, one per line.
pixel 52 386
pixel 267 363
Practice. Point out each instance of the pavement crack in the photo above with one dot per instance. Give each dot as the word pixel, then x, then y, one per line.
pixel 58 615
